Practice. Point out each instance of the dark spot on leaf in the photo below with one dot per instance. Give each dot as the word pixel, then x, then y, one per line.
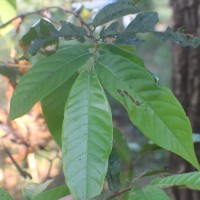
pixel 120 92
pixel 137 103
pixel 125 92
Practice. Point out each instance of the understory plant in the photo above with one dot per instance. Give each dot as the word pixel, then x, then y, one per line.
pixel 72 83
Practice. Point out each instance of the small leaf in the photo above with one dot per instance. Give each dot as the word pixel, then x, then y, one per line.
pixel 148 147
pixel 121 146
pixel 153 109
pixel 113 172
pixel 4 195
pixel 149 192
pixel 53 194
pixel 113 11
pixel 110 31
pixel 190 180
pixel 177 38
pixel 144 22
pixel 70 31
pixel 53 108
pixel 87 137
pixel 44 77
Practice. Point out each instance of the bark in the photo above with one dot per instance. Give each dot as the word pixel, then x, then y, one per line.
pixel 186 82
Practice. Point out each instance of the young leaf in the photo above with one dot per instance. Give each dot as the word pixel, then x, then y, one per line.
pixel 190 180
pixel 53 194
pixel 149 192
pixel 144 22
pixel 113 172
pixel 70 31
pixel 44 77
pixel 121 146
pixel 4 195
pixel 113 11
pixel 153 109
pixel 87 137
pixel 53 108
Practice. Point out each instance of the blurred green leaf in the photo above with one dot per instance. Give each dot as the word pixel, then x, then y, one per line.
pixel 4 195
pixel 113 172
pixel 149 147
pixel 113 11
pixel 53 194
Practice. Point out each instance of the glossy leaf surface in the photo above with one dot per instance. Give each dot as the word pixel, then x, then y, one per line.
pixel 53 108
pixel 152 108
pixel 87 137
pixel 44 77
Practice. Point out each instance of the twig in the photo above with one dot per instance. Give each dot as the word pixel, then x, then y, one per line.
pixel 22 16
pixel 23 173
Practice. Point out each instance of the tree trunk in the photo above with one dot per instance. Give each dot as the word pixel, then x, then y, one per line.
pixel 186 82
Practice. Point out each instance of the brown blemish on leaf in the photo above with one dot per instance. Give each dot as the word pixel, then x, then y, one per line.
pixel 125 93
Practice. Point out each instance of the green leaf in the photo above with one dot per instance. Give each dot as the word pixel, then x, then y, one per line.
pixel 41 34
pixel 70 31
pixel 117 50
pixel 144 22
pixel 153 109
pixel 110 31
pixel 121 146
pixel 53 194
pixel 44 77
pixel 148 193
pixel 127 38
pixel 149 147
pixel 53 108
pixel 87 137
pixel 114 11
pixel 190 180
pixel 4 195
pixel 10 72
pixel 33 189
pixel 113 172
pixel 177 38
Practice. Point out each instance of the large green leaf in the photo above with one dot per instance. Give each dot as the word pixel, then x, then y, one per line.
pixel 53 194
pixel 87 137
pixel 53 108
pixel 153 109
pixel 4 195
pixel 113 11
pixel 148 193
pixel 190 180
pixel 45 77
